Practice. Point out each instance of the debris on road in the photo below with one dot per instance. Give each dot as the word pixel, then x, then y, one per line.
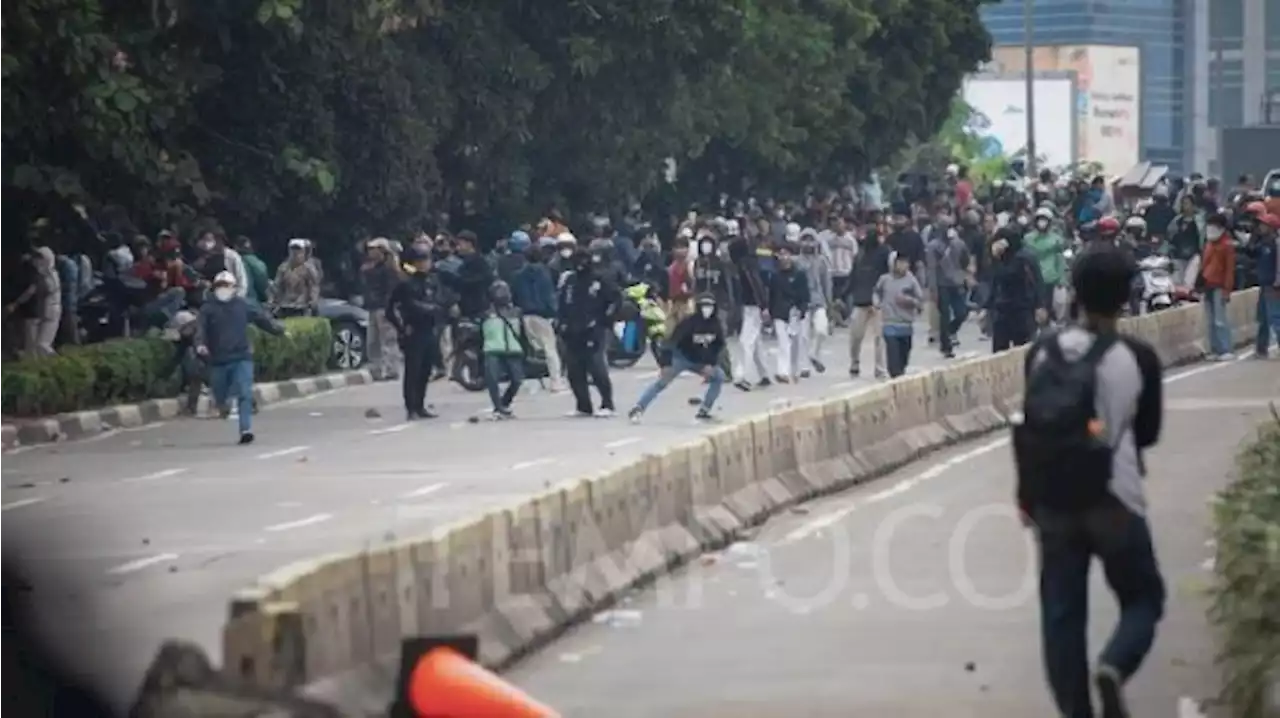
pixel 619 618
pixel 372 414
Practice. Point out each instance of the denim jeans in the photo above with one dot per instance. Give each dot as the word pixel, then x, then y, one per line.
pixel 897 350
pixel 237 376
pixel 1068 543
pixel 1215 321
pixel 1268 319
pixel 497 366
pixel 680 364
pixel 953 309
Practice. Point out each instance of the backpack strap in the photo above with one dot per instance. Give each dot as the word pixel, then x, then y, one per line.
pixel 1101 343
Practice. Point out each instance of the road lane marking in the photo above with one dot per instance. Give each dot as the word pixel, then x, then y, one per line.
pixel 156 476
pixel 520 466
pixel 22 502
pixel 142 563
pixel 840 385
pixel 283 452
pixel 830 519
pixel 623 442
pixel 423 491
pixel 300 523
pixel 391 429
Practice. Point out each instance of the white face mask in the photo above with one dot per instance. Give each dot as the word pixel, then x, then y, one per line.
pixel 706 312
pixel 223 294
pixel 1042 224
pixel 1213 232
pixel 566 253
pixel 706 248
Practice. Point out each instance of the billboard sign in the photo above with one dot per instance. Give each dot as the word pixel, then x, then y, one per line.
pixel 1108 113
pixel 1002 101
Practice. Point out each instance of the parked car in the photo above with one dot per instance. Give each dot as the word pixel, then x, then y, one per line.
pixel 350 327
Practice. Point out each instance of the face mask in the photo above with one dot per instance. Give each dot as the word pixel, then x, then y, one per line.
pixel 1042 224
pixel 223 294
pixel 706 312
pixel 779 214
pixel 206 246
pixel 810 250
pixel 1213 232
pixel 566 253
pixel 706 248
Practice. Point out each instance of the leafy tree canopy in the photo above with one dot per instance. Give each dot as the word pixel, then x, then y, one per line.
pixel 327 117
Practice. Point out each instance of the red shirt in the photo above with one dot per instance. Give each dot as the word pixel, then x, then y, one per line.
pixel 964 193
pixel 678 280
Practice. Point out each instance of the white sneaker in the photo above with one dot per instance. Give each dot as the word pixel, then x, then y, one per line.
pixel 1227 356
pixel 604 413
pixel 575 414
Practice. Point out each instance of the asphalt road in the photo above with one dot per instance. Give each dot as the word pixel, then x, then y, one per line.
pixel 135 536
pixel 913 596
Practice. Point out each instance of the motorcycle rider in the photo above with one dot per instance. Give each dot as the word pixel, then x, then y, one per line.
pixel 750 367
pixel 1047 244
pixel 417 305
pixel 1186 236
pixel 1016 298
pixel 586 304
pixel 505 348
pixel 562 263
pixel 697 343
pixel 1159 214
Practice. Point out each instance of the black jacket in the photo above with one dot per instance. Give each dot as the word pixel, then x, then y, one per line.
pixel 712 275
pixel 701 340
pixel 789 290
pixel 586 302
pixel 419 302
pixel 752 291
pixel 471 284
pixel 1015 282
pixel 871 263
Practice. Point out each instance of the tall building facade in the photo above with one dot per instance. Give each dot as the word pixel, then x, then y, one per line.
pixel 1106 32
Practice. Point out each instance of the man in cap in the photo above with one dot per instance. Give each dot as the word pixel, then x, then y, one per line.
pixel 416 307
pixel 222 339
pixel 297 285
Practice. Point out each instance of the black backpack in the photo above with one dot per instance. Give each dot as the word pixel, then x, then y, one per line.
pixel 1060 447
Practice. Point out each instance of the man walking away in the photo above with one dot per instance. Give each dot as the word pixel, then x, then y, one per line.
pixel 417 305
pixel 1093 404
pixel 1264 244
pixel 505 348
pixel 222 339
pixel 1217 279
pixel 869 266
pixel 817 268
pixel 696 345
pixel 788 302
pixel 948 258
pixel 255 270
pixel 586 304
pixel 898 297
pixel 1014 300
pixel 380 274
pixel 754 296
pixel 534 293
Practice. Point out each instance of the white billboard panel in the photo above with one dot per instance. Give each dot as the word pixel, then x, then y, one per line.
pixel 1002 99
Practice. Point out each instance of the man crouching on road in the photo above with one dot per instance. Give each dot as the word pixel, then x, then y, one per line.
pixel 696 345
pixel 222 339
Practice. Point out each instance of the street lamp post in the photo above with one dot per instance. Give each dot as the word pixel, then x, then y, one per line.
pixel 1028 35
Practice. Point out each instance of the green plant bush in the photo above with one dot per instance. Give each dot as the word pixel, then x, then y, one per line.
pixel 130 370
pixel 1246 594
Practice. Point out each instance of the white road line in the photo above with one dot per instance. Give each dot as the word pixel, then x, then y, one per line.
pixel 645 376
pixel 520 466
pixel 623 442
pixel 283 452
pixel 846 384
pixel 423 491
pixel 156 476
pixel 308 521
pixel 22 502
pixel 391 429
pixel 830 519
pixel 142 563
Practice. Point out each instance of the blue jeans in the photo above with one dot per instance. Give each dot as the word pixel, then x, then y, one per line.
pixel 237 375
pixel 953 309
pixel 1068 544
pixel 497 367
pixel 680 364
pixel 1268 319
pixel 1215 321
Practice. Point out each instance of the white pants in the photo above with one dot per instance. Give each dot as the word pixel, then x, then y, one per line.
pixel 788 334
pixel 749 361
pixel 543 335
pixel 813 333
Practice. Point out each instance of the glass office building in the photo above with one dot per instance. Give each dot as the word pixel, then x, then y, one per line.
pixel 1154 27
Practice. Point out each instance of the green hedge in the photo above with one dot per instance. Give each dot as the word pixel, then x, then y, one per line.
pixel 1246 606
pixel 129 370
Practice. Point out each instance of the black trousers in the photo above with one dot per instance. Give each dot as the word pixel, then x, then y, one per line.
pixel 1011 329
pixel 420 355
pixel 585 359
pixel 897 352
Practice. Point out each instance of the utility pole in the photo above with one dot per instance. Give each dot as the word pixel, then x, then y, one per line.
pixel 1028 36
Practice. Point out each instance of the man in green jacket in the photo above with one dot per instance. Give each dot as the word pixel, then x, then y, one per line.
pixel 255 270
pixel 1047 243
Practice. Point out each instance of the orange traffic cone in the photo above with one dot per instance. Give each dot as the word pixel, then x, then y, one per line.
pixel 446 684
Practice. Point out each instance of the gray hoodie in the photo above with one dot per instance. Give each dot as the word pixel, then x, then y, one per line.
pixel 888 296
pixel 817 267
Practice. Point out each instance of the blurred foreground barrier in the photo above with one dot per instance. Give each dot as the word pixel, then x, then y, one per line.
pixel 516 577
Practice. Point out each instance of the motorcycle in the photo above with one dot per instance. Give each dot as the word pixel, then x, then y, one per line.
pixel 641 327
pixel 468 357
pixel 1156 283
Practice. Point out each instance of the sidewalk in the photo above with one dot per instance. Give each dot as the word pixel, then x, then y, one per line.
pixel 79 424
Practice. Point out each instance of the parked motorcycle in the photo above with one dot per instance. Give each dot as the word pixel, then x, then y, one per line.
pixel 1156 283
pixel 468 357
pixel 641 327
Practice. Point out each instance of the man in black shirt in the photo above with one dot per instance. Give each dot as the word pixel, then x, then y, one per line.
pixel 696 345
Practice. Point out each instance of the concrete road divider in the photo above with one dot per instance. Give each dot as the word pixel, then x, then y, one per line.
pixel 518 576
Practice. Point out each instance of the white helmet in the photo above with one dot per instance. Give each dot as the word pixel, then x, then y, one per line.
pixel 953 170
pixel 224 278
pixel 1045 213
pixel 1135 222
pixel 793 232
pixel 567 238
